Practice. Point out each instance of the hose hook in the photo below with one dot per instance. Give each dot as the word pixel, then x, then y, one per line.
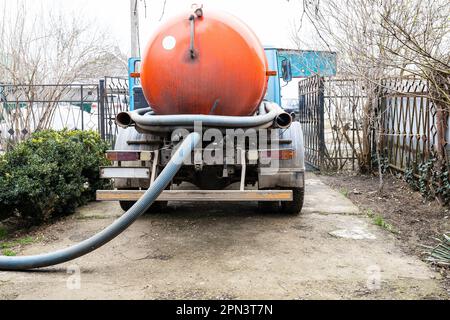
pixel 198 13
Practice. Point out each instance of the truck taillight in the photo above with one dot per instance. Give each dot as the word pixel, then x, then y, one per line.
pixel 122 156
pixel 129 156
pixel 287 154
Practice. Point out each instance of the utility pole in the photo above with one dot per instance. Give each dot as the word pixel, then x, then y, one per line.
pixel 134 10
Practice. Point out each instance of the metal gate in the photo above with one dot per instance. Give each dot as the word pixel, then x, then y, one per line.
pixel 114 92
pixel 311 116
pixel 330 113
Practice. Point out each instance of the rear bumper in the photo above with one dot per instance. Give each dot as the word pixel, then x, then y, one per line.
pixel 200 196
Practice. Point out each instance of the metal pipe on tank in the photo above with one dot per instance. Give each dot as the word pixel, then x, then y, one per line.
pixel 274 115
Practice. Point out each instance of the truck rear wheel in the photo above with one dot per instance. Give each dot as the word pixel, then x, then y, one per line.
pixel 157 207
pixel 126 205
pixel 269 207
pixel 294 207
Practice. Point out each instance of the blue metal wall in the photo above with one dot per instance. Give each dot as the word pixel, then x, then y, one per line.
pixel 309 63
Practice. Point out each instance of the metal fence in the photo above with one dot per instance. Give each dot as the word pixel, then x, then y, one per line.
pixel 115 99
pixel 337 131
pixel 344 132
pixel 331 111
pixel 311 116
pixel 25 109
pixel 409 123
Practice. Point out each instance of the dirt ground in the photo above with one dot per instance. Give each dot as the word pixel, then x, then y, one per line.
pixel 224 251
pixel 415 221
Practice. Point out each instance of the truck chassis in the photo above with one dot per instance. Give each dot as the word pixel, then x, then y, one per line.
pixel 270 172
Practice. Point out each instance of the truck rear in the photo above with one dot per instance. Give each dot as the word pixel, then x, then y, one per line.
pixel 206 72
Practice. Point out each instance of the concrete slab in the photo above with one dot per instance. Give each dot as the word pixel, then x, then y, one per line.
pixel 322 199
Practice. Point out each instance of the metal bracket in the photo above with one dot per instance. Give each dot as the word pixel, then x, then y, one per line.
pixel 198 13
pixel 154 167
pixel 192 45
pixel 244 169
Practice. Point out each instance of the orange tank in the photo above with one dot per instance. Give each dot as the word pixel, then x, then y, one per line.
pixel 224 74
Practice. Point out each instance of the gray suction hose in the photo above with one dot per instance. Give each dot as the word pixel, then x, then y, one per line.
pixel 120 225
pixel 270 113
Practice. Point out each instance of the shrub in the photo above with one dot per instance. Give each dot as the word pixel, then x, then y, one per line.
pixel 51 174
pixel 432 180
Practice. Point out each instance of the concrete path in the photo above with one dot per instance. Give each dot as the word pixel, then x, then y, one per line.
pixel 230 252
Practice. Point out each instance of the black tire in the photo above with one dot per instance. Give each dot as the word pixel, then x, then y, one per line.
pixel 126 205
pixel 268 207
pixel 294 207
pixel 157 207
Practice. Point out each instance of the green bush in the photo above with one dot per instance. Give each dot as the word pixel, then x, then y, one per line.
pixel 51 174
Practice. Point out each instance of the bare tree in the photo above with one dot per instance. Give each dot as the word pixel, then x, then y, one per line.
pixel 51 47
pixel 379 39
pixel 420 33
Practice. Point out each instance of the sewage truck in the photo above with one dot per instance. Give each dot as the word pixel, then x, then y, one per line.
pixel 205 110
pixel 207 72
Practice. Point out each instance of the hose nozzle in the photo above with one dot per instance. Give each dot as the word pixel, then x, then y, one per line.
pixel 284 120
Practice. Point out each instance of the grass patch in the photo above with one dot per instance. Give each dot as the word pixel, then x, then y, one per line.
pixel 93 217
pixel 370 213
pixel 6 245
pixel 25 241
pixel 3 233
pixel 379 221
pixel 344 192
pixel 9 253
pixel 19 242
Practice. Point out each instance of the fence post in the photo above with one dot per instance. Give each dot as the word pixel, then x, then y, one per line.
pixel 322 145
pixel 82 108
pixel 101 120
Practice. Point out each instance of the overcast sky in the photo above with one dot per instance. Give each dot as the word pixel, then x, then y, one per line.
pixel 272 20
